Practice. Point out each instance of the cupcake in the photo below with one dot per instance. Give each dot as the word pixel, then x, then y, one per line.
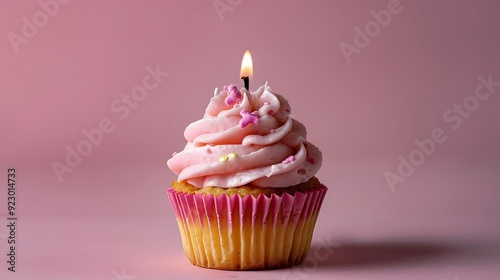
pixel 246 197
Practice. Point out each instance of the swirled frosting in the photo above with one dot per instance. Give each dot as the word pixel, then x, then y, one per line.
pixel 246 138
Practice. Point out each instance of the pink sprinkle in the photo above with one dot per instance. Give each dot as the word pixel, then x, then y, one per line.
pixel 209 151
pixel 234 96
pixel 267 103
pixel 224 87
pixel 248 118
pixel 311 160
pixel 271 112
pixel 272 130
pixel 289 159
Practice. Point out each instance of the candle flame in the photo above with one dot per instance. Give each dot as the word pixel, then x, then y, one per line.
pixel 246 65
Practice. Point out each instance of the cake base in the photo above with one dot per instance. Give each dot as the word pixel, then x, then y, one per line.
pixel 233 232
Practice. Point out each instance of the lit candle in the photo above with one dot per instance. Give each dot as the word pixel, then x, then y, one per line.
pixel 246 69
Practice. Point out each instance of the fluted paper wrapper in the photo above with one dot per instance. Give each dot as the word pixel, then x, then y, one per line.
pixel 245 233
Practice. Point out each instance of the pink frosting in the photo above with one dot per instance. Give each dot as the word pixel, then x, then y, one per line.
pixel 252 142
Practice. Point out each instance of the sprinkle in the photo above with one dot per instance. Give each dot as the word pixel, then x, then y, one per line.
pixel 223 158
pixel 216 91
pixel 248 118
pixel 272 130
pixel 271 112
pixel 234 96
pixel 267 103
pixel 289 159
pixel 208 150
pixel 227 157
pixel 311 160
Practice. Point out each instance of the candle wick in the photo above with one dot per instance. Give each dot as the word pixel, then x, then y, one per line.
pixel 246 82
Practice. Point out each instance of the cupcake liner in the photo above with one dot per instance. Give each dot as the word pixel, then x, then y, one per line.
pixel 245 233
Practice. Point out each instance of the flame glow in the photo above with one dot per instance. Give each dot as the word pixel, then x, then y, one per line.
pixel 246 65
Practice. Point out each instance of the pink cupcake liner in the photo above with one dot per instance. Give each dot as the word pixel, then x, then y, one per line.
pixel 234 232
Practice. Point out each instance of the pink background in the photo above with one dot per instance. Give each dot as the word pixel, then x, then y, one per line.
pixel 111 212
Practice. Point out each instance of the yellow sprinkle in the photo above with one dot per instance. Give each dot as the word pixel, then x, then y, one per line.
pixel 228 157
pixel 224 158
pixel 232 155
